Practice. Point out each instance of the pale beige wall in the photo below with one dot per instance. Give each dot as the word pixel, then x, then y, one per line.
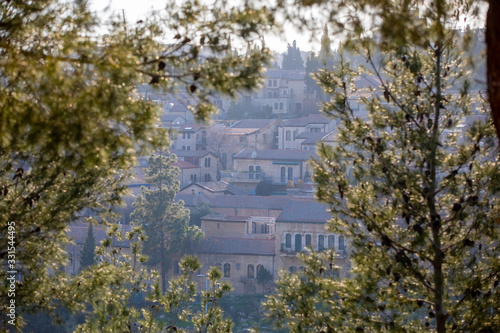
pixel 223 229
pixel 238 278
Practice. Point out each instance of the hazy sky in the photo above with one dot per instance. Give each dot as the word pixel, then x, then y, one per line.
pixel 138 9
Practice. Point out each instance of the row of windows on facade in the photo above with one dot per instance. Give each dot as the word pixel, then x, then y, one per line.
pixel 288 134
pixel 257 173
pixel 203 136
pixel 206 178
pixel 330 242
pixel 227 270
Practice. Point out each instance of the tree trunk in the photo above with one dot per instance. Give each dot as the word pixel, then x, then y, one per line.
pixel 493 60
pixel 163 263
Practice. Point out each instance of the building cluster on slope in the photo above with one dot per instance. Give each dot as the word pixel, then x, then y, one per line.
pixel 229 165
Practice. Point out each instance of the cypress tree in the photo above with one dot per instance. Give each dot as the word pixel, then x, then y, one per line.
pixel 87 255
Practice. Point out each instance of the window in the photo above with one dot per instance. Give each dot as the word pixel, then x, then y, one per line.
pixel 316 129
pixel 285 92
pixel 209 159
pixel 290 173
pixel 208 178
pixel 176 267
pixel 254 228
pixel 189 135
pixel 218 226
pixel 250 172
pixel 288 240
pixel 281 106
pixel 321 243
pixel 250 272
pixel 270 83
pixel 227 270
pixel 292 269
pixel 193 178
pixel 298 242
pixel 207 162
pixel 203 137
pixel 276 106
pixel 275 82
pixel 341 243
pixel 188 147
pixel 331 241
pixel 288 135
pixel 193 191
pixel 269 94
pixel 308 240
pixel 224 158
pixel 295 133
pixel 183 135
pixel 183 147
pixel 258 172
pixel 283 174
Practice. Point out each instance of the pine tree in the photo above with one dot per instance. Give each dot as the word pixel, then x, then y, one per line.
pixel 87 255
pixel 165 222
pixel 292 60
pixel 418 201
pixel 72 122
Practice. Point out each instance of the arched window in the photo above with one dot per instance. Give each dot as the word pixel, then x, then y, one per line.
pixel 341 243
pixel 227 270
pixel 250 272
pixel 308 240
pixel 331 241
pixel 183 147
pixel 292 269
pixel 298 242
pixel 283 174
pixel 250 172
pixel 290 173
pixel 288 240
pixel 209 159
pixel 259 270
pixel 321 243
pixel 288 135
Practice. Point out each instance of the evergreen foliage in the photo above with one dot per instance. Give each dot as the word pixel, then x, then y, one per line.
pixel 87 255
pixel 115 307
pixel 418 201
pixel 197 212
pixel 72 123
pixel 164 221
pixel 292 60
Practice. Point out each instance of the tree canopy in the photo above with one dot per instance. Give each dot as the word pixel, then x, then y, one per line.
pixel 417 198
pixel 72 123
pixel 164 221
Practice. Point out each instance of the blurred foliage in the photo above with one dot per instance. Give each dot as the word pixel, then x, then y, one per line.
pixel 417 197
pixel 72 123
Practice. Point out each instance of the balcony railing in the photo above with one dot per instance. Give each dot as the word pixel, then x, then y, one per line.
pixel 241 175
